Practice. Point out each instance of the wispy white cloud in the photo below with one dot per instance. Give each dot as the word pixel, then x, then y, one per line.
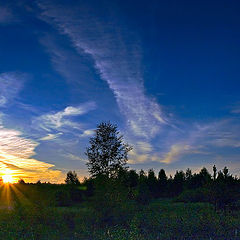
pixel 144 147
pixel 12 143
pixel 61 119
pixel 11 83
pixel 117 64
pixel 15 157
pixel 141 152
pixel 73 157
pixel 175 146
pixel 207 139
pixel 87 133
pixel 136 157
pixel 224 133
pixel 145 153
pixel 28 108
pixel 175 152
pixel 50 136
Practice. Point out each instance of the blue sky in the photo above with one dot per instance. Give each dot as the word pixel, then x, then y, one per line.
pixel 166 72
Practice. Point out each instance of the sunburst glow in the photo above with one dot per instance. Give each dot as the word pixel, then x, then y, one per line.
pixel 7 178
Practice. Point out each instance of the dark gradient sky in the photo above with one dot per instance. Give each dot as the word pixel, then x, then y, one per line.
pixel 166 72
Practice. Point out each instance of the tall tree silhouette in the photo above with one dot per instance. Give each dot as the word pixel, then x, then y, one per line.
pixel 107 153
pixel 162 177
pixel 162 183
pixel 72 178
pixel 178 182
pixel 152 182
pixel 225 172
pixel 214 172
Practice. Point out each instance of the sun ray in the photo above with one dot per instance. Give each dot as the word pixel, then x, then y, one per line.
pixel 7 178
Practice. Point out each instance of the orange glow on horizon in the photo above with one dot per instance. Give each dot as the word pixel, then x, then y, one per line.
pixel 7 178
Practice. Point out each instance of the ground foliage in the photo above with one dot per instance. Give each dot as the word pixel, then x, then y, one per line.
pixel 129 206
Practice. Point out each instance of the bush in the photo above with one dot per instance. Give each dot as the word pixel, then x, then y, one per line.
pixel 197 195
pixel 62 198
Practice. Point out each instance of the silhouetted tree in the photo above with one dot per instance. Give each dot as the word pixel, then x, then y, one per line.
pixel 132 178
pixel 162 183
pixel 142 176
pixel 21 181
pixel 205 176
pixel 214 172
pixel 188 174
pixel 108 198
pixel 225 172
pixel 220 177
pixel 123 176
pixel 72 178
pixel 128 179
pixel 178 182
pixel 188 178
pixel 144 195
pixel 225 192
pixel 151 176
pixel 179 176
pixel 88 185
pixel 107 153
pixel 152 182
pixel 162 177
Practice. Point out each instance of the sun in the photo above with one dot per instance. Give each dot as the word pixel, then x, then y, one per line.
pixel 7 178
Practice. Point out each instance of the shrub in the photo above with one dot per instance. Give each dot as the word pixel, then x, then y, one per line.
pixel 62 198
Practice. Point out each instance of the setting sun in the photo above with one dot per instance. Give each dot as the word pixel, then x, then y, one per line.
pixel 7 178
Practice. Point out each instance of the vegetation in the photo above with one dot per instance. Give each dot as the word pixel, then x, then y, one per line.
pixel 107 152
pixel 72 178
pixel 116 203
pixel 107 215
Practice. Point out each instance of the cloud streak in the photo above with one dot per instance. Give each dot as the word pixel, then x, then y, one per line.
pixel 15 157
pixel 175 152
pixel 50 136
pixel 11 83
pixel 61 120
pixel 224 133
pixel 117 64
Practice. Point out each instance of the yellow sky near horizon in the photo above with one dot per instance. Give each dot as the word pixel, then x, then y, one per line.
pixel 16 159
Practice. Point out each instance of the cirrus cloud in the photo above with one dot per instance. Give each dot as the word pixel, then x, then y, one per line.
pixel 117 63
pixel 61 120
pixel 15 157
pixel 11 83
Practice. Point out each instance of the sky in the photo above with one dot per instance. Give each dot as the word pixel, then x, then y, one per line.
pixel 166 72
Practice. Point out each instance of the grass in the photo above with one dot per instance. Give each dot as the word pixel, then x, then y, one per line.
pixel 161 219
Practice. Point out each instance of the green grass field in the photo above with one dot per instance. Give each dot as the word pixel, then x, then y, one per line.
pixel 161 219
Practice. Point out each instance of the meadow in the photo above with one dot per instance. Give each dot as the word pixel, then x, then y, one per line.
pixel 158 220
pixel 66 211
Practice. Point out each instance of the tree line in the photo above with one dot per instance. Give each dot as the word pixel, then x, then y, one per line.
pixel 111 181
